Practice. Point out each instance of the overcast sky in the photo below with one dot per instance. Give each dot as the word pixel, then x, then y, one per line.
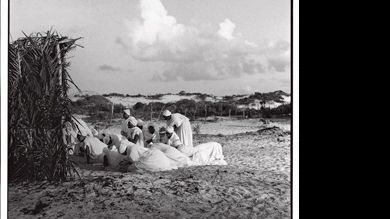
pixel 152 46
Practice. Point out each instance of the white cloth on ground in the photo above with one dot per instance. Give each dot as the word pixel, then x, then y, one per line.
pixel 162 157
pixel 208 154
pixel 155 160
pixel 179 159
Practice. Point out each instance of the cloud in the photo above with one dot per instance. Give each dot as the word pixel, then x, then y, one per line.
pixel 226 29
pixel 156 24
pixel 191 53
pixel 108 68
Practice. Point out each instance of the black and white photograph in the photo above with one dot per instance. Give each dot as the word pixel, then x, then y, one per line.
pixel 147 109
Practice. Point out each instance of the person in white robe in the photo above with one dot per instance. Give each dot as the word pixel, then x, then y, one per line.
pixel 114 140
pixel 174 141
pixel 203 154
pixel 82 127
pixel 208 154
pixel 92 147
pixel 140 124
pixel 72 128
pixel 124 125
pixel 75 126
pixel 134 133
pixel 162 134
pixel 151 136
pixel 126 150
pixel 181 126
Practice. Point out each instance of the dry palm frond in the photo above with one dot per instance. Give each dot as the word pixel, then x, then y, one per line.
pixel 38 103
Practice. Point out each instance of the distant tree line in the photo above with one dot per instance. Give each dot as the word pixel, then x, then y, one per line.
pixel 98 108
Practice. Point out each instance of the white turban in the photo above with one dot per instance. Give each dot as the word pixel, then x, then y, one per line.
pixel 127 111
pixel 133 121
pixel 170 129
pixel 140 122
pixel 167 113
pixel 106 140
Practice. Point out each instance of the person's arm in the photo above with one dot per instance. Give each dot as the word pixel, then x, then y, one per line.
pixel 135 139
pixel 176 141
pixel 149 141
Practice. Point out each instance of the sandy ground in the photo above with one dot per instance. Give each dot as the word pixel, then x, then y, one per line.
pixel 255 184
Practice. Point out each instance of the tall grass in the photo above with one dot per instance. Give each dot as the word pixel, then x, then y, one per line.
pixel 38 105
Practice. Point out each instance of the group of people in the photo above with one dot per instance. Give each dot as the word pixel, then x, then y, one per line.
pixel 177 133
pixel 145 147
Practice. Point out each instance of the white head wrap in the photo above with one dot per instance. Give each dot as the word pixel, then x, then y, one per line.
pixel 170 129
pixel 140 122
pixel 106 140
pixel 167 113
pixel 127 111
pixel 133 121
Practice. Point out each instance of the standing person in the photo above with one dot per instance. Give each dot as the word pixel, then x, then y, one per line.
pixel 181 126
pixel 124 127
pixel 135 134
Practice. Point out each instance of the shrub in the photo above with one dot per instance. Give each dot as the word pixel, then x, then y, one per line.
pixel 197 127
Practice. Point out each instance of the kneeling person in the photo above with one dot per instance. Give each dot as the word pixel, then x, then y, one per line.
pixel 174 141
pixel 92 147
pixel 135 134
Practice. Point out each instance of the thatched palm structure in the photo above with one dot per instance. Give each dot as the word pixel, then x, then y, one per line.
pixel 38 105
